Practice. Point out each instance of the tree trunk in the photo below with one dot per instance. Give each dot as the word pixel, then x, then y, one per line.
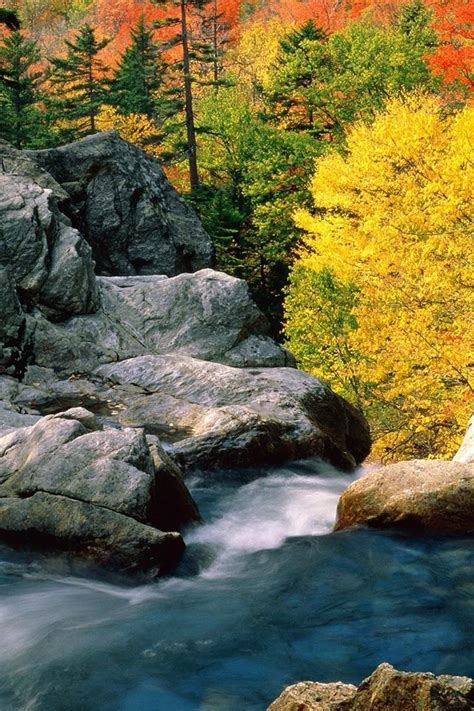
pixel 215 41
pixel 190 128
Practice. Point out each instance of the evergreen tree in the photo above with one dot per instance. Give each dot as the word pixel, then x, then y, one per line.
pixel 79 83
pixel 137 84
pixel 304 66
pixel 20 121
pixel 185 86
pixel 214 37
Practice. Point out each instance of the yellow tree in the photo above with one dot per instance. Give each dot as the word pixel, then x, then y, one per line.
pixel 381 299
pixel 134 128
pixel 252 60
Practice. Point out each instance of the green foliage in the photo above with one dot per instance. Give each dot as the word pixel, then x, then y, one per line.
pixel 323 84
pixel 260 176
pixel 21 120
pixel 137 86
pixel 79 84
pixel 319 311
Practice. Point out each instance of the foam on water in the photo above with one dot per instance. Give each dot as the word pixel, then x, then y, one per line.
pixel 266 596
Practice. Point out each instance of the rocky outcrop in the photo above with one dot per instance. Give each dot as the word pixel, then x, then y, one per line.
pixel 101 493
pixel 49 263
pixel 386 689
pixel 122 203
pixel 208 414
pixel 465 452
pixel 207 315
pixel 432 495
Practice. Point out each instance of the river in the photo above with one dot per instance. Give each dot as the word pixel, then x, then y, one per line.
pixel 265 596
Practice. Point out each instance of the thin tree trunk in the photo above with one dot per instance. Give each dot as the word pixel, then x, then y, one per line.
pixel 215 47
pixel 190 127
pixel 91 92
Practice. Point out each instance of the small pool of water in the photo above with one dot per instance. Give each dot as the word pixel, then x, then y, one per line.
pixel 266 596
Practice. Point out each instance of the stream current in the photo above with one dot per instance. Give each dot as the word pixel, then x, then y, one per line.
pixel 265 596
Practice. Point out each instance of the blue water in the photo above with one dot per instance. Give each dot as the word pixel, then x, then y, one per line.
pixel 265 597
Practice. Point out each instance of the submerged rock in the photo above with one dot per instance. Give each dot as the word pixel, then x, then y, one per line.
pixel 385 690
pixel 121 201
pixel 92 491
pixel 434 495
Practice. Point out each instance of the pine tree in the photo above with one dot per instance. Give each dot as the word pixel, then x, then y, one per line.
pixel 182 38
pixel 137 84
pixel 304 63
pixel 79 83
pixel 20 121
pixel 211 46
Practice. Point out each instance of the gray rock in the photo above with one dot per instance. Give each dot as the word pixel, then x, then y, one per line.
pixel 11 416
pixel 48 262
pixel 434 495
pixel 207 315
pixel 385 690
pixel 465 453
pixel 123 204
pixel 225 416
pixel 100 535
pixel 12 323
pixel 11 419
pixel 70 457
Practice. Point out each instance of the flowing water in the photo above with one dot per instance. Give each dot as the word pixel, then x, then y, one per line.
pixel 265 596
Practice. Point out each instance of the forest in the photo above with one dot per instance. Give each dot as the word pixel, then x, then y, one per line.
pixel 327 147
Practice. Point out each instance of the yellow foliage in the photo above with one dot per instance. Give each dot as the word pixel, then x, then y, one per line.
pixel 394 220
pixel 135 128
pixel 254 57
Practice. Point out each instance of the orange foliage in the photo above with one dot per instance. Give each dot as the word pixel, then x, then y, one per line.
pixel 454 59
pixel 453 21
pixel 115 19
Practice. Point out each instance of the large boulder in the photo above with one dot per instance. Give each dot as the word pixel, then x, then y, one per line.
pixel 49 264
pixel 433 495
pixel 92 491
pixel 225 416
pixel 385 690
pixel 207 315
pixel 121 201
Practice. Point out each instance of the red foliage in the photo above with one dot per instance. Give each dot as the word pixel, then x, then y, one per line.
pixel 454 22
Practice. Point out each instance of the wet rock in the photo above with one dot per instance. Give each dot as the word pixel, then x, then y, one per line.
pixel 225 416
pixel 105 537
pixel 123 204
pixel 385 690
pixel 207 315
pixel 69 464
pixel 432 495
